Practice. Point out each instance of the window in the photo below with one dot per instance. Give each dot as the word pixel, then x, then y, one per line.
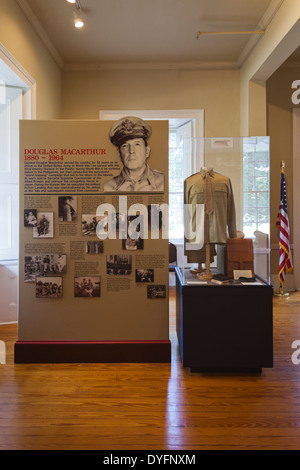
pixel 256 165
pixel 176 181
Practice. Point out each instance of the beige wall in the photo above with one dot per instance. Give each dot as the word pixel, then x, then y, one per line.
pixel 280 129
pixel 19 38
pixel 86 92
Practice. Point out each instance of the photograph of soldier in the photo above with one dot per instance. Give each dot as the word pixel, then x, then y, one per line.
pixel 45 225
pixel 118 221
pixel 155 216
pixel 119 265
pixel 89 224
pixel 40 265
pixel 156 292
pixel 67 208
pixel 87 286
pixel 130 136
pixel 30 218
pixel 94 248
pixel 49 287
pixel 131 244
pixel 144 275
pixel 33 268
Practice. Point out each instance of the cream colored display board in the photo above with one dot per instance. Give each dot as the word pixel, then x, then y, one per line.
pixel 75 286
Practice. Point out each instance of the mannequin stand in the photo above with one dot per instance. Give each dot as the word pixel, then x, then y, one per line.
pixel 207 275
pixel 198 270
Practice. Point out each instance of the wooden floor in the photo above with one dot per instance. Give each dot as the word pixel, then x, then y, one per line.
pixel 131 407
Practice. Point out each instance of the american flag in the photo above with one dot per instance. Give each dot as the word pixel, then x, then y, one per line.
pixel 285 258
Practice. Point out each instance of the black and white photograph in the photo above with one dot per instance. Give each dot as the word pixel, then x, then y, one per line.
pixel 33 267
pixel 156 292
pixel 119 265
pixel 45 225
pixel 136 225
pixel 144 275
pixel 118 221
pixel 87 286
pixel 49 287
pixel 54 264
pixel 30 218
pixel 67 208
pixel 131 244
pixel 41 265
pixel 94 248
pixel 155 217
pixel 130 136
pixel 89 224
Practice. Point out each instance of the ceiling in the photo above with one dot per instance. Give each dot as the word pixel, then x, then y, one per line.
pixel 148 31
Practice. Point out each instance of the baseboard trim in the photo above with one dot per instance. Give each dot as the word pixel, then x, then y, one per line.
pixel 53 352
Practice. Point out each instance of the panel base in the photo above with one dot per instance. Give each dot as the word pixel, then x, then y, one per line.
pixel 53 352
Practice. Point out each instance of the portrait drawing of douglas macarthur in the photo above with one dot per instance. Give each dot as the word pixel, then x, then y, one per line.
pixel 130 135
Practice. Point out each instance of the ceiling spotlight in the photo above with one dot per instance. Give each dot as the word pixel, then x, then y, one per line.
pixel 71 1
pixel 78 21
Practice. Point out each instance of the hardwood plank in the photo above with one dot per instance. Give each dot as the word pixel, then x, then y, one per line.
pixel 153 406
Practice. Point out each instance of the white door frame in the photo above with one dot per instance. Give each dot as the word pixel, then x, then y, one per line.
pixel 14 75
pixel 25 81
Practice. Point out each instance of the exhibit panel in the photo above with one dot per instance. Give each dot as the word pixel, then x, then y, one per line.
pixel 93 258
pixel 224 299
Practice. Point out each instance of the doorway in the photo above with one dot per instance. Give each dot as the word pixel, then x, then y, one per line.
pixel 15 104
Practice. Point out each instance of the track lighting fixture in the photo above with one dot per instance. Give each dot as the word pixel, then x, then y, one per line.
pixel 78 21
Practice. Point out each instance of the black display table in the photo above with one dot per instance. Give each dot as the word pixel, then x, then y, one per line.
pixel 224 327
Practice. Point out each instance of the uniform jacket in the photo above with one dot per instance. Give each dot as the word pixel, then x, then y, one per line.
pixel 223 217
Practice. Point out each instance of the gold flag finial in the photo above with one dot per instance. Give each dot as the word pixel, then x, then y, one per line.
pixel 282 166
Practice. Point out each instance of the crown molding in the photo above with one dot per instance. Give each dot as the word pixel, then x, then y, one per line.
pixel 39 29
pixel 232 65
pixel 6 56
pixel 262 25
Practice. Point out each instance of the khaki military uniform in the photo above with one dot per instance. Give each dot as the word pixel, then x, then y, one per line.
pixel 220 223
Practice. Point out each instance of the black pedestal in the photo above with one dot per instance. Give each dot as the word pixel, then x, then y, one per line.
pixel 224 328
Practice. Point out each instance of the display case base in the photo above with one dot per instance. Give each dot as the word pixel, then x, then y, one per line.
pixel 51 352
pixel 196 370
pixel 224 328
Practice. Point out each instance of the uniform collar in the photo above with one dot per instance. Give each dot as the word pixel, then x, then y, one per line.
pixel 147 174
pixel 207 171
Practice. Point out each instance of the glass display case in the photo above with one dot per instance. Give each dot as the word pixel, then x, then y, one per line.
pixel 237 200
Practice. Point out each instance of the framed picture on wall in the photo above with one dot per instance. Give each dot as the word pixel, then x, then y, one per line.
pixel 49 287
pixel 87 286
pixel 45 225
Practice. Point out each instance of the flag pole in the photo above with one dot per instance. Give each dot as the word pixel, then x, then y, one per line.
pixel 281 293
